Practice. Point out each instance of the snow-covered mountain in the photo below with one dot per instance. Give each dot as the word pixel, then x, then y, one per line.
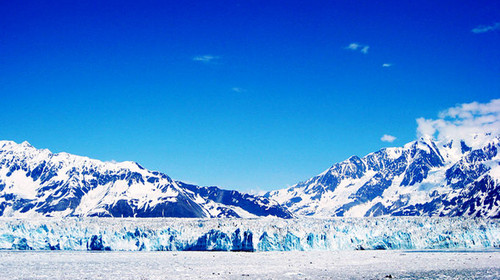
pixel 423 178
pixel 37 182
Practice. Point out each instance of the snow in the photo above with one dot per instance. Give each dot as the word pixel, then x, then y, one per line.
pixel 239 265
pixel 495 172
pixel 213 209
pixel 393 153
pixel 269 234
pixel 92 199
pixel 17 183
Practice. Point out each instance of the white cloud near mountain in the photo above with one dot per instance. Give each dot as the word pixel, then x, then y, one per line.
pixel 464 121
pixel 387 138
pixel 486 28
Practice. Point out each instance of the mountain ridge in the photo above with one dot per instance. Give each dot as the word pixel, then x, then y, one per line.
pixel 36 182
pixel 424 177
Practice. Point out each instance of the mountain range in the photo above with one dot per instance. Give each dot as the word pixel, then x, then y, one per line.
pixel 422 178
pixel 37 182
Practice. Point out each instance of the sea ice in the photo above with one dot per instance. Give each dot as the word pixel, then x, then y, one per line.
pixel 375 264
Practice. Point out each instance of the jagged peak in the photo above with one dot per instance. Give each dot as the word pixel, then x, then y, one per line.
pixel 421 142
pixel 426 138
pixel 132 165
pixel 64 156
pixel 354 158
pixel 7 143
pixel 26 144
pixel 23 146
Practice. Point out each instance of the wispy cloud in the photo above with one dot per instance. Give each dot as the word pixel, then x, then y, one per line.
pixel 387 65
pixel 468 121
pixel 205 58
pixel 486 28
pixel 388 138
pixel 238 89
pixel 353 46
pixel 356 46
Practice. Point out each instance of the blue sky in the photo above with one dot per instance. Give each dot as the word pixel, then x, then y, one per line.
pixel 248 95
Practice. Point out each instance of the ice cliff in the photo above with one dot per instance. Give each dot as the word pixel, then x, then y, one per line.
pixel 268 234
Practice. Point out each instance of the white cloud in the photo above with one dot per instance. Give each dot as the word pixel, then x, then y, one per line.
pixel 466 121
pixel 353 46
pixel 356 46
pixel 387 65
pixel 257 191
pixel 486 28
pixel 388 138
pixel 238 89
pixel 205 58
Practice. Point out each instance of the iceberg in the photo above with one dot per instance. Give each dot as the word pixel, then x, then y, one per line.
pixel 262 234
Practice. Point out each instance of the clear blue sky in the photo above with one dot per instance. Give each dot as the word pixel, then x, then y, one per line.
pixel 241 94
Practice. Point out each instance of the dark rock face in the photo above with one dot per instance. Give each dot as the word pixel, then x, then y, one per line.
pixel 95 243
pixel 260 206
pixel 57 185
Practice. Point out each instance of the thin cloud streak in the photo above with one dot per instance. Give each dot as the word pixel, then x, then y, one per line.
pixel 238 89
pixel 486 28
pixel 205 58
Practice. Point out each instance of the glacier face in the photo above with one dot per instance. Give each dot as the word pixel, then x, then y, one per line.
pixel 423 178
pixel 37 183
pixel 263 234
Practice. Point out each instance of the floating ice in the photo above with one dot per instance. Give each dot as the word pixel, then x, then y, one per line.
pixel 160 234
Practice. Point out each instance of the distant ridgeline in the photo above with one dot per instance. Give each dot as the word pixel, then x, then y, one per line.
pixel 423 178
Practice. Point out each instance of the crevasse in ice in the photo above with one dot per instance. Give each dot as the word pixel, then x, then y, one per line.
pixel 247 234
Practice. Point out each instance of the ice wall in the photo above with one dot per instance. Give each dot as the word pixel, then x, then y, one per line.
pixel 247 234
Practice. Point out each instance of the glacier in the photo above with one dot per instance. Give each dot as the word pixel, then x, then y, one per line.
pixel 262 234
